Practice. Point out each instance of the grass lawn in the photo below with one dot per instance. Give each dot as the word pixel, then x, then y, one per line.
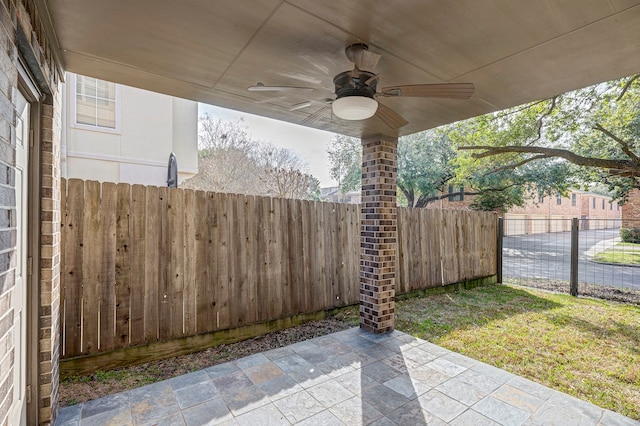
pixel 618 256
pixel 628 245
pixel 587 348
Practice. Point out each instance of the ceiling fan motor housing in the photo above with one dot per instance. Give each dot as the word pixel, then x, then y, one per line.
pixel 346 84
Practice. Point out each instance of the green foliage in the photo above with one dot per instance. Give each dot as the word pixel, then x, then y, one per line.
pixel 630 235
pixel 423 166
pixel 594 130
pixel 501 182
pixel 345 157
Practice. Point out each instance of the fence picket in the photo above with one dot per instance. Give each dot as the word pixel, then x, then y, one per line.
pixel 142 264
pixel 190 265
pixel 122 265
pixel 72 273
pixel 176 264
pixel 137 221
pixel 212 239
pixel 108 205
pixel 91 271
pixel 151 264
pixel 224 258
pixel 163 262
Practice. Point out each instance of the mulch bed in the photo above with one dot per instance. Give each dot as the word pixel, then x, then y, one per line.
pixel 99 384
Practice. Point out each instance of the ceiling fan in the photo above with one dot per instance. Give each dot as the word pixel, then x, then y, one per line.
pixel 357 94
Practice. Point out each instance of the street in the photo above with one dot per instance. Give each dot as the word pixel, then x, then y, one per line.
pixel 548 256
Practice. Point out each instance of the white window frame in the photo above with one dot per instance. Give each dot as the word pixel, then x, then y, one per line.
pixel 72 109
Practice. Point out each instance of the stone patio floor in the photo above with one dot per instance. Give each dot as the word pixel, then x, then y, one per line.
pixel 347 378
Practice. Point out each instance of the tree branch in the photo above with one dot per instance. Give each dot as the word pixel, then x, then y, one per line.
pixel 631 168
pixel 623 144
pixel 627 85
pixel 515 165
pixel 515 111
pixel 454 194
pixel 540 120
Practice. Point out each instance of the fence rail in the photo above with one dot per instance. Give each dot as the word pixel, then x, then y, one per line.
pixel 142 264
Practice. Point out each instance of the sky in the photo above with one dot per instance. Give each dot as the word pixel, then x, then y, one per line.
pixel 309 144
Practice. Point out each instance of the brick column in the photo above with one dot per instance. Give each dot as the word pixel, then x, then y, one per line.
pixel 378 233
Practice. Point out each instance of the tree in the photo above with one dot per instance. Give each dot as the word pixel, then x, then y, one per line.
pixel 424 166
pixel 428 164
pixel 285 175
pixel 230 161
pixel 226 160
pixel 596 130
pixel 345 157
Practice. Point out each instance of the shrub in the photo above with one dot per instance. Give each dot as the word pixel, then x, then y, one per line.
pixel 630 235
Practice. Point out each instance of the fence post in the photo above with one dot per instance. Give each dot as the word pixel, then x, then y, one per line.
pixel 573 280
pixel 499 249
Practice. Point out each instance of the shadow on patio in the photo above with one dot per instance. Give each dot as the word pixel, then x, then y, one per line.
pixel 350 377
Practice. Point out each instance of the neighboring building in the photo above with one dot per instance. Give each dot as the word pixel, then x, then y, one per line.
pixel 453 198
pixel 554 214
pixel 631 210
pixel 116 133
pixel 546 214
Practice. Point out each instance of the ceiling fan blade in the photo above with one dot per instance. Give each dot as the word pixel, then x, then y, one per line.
pixel 300 105
pixel 446 90
pixel 389 117
pixel 312 118
pixel 260 87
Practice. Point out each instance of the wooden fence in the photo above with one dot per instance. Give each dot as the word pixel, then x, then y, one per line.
pixel 143 264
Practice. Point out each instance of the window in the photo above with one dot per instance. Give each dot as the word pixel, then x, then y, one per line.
pixel 540 199
pixel 617 206
pixel 593 204
pixel 603 204
pixel 558 199
pixel 610 205
pixel 95 103
pixel 573 200
pixel 456 195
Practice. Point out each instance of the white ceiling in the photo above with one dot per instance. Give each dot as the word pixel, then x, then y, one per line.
pixel 514 51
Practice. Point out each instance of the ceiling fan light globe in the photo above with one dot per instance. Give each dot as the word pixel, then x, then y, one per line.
pixel 354 107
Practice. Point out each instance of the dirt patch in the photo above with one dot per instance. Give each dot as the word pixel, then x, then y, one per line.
pixel 102 383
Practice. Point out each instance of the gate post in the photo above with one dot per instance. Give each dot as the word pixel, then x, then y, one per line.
pixel 573 280
pixel 499 249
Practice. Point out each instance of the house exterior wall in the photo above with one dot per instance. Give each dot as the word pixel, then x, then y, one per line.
pixel 152 125
pixel 631 210
pixel 549 215
pixel 22 36
pixel 444 202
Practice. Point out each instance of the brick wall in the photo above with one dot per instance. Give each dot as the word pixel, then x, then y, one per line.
pixel 378 234
pixel 22 34
pixel 548 206
pixel 49 315
pixel 8 81
pixel 631 210
pixel 445 203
